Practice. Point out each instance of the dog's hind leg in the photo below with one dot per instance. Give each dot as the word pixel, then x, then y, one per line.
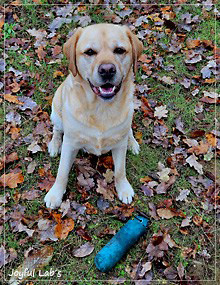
pixel 132 143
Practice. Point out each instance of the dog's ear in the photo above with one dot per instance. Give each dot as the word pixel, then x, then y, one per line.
pixel 137 48
pixel 69 50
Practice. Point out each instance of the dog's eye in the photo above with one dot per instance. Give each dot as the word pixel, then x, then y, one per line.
pixel 90 52
pixel 119 50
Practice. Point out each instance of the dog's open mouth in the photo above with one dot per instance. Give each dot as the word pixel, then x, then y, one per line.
pixel 106 91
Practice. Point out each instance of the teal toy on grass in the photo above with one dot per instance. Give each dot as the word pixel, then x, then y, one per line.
pixel 127 236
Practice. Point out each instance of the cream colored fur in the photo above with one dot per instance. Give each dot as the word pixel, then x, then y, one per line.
pixel 82 119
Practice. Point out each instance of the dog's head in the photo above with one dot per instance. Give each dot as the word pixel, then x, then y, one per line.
pixel 103 56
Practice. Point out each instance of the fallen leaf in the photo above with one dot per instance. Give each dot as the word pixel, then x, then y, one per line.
pixel 35 260
pixel 186 222
pixel 213 95
pixel 84 250
pixel 83 234
pixel 41 53
pixel 31 195
pixel 211 139
pixel 12 99
pixel 102 204
pixel 63 228
pixel 197 220
pixel 167 79
pixel 90 209
pixel 147 191
pixel 179 125
pixel 57 73
pixel 197 133
pixel 2 256
pixel 105 190
pixel 65 207
pixel 31 167
pixel 138 135
pixel 56 50
pixel 170 273
pixel 8 159
pixel 58 22
pixel 14 118
pixel 192 160
pixel 11 179
pixel 165 213
pixel 206 72
pixel 164 172
pixel 146 108
pixel 123 212
pixel 109 175
pixel 23 228
pixel 15 132
pixel 192 43
pixel 34 147
pixel 160 112
pixel 152 211
pixel 202 148
pixel 87 183
pixel 164 186
pixel 106 161
pixel 145 267
pixel 186 82
pixel 183 195
pixel 27 103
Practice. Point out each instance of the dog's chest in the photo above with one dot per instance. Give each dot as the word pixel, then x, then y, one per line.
pixel 100 144
pixel 93 140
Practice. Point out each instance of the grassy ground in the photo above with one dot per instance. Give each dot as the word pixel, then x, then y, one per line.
pixel 183 103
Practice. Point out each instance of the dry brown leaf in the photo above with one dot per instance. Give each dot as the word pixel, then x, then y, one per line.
pixel 11 179
pixel 211 139
pixel 14 132
pixel 192 160
pixel 90 209
pixel 160 112
pixel 138 136
pixel 105 190
pixel 197 220
pixel 202 148
pixel 63 228
pixel 192 43
pixel 12 99
pixel 84 250
pixel 35 260
pixel 57 73
pixel 41 53
pixel 56 50
pixel 165 213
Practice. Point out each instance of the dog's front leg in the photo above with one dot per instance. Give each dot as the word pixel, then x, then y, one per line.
pixel 53 199
pixel 123 187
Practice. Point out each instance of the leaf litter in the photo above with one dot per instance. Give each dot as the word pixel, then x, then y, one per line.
pixel 186 149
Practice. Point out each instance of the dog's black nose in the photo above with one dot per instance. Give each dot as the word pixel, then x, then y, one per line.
pixel 107 70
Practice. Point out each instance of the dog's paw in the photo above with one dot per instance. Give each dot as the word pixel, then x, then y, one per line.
pixel 54 147
pixel 125 191
pixel 134 146
pixel 53 199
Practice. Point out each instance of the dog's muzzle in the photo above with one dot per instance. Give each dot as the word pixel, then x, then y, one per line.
pixel 106 91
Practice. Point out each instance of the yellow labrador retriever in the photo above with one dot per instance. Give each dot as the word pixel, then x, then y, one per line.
pixel 93 107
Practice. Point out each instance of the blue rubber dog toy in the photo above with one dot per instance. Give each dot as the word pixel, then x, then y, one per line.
pixel 113 251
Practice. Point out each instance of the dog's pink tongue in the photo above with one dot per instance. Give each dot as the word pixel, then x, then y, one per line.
pixel 106 90
pixel 110 89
